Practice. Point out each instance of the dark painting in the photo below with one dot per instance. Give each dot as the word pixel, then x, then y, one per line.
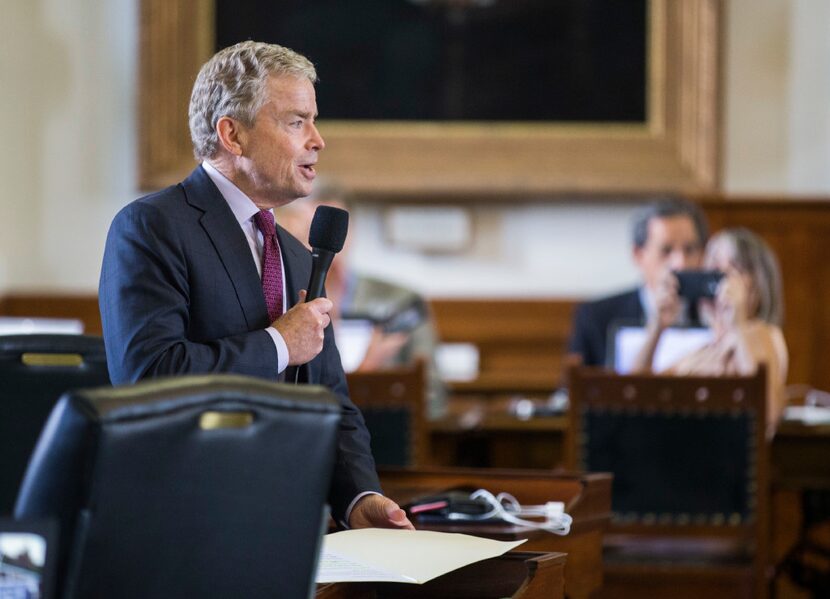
pixel 461 60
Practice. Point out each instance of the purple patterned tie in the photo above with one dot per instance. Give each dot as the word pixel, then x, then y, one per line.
pixel 271 264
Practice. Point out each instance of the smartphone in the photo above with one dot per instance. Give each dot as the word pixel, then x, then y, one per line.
pixel 695 284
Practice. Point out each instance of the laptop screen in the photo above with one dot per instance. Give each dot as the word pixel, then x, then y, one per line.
pixel 27 563
pixel 675 343
pixel 353 337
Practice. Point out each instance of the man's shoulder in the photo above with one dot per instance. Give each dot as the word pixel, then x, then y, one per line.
pixel 170 199
pixel 628 301
pixel 165 201
pixel 180 198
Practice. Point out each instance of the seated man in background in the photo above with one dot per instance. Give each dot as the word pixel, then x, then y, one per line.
pixel 745 317
pixel 668 235
pixel 402 329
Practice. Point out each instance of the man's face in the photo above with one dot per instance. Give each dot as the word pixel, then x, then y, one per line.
pixel 280 150
pixel 672 244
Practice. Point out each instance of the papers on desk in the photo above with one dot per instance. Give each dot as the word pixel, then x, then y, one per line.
pixel 390 555
pixel 810 415
pixel 13 325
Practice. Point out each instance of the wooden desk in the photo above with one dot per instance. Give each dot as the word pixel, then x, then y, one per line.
pixel 517 574
pixel 483 433
pixel 800 461
pixel 587 498
pixel 801 456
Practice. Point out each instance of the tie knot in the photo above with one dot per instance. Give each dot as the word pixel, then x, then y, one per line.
pixel 265 223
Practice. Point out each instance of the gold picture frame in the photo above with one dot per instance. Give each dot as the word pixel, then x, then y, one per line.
pixel 676 150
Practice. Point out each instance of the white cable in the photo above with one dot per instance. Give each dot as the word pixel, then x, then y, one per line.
pixel 506 507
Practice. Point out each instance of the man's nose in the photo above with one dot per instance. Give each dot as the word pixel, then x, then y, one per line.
pixel 680 260
pixel 316 140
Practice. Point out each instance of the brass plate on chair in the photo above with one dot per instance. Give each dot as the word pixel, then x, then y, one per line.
pixel 53 360
pixel 209 421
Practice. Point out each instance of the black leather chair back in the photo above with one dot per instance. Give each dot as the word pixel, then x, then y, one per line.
pixel 210 486
pixel 35 370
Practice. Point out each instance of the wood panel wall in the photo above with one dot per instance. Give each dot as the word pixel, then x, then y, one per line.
pixel 799 233
pixel 521 343
pixel 54 305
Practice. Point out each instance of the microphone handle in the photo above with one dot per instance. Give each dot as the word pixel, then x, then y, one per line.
pixel 320 263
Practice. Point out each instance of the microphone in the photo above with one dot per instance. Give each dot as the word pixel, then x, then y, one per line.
pixel 326 237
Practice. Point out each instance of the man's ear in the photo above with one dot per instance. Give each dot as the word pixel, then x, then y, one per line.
pixel 636 255
pixel 231 135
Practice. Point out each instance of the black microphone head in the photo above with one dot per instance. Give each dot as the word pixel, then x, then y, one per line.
pixel 328 228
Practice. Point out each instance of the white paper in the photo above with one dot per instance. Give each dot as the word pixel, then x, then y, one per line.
pixel 810 415
pixel 392 555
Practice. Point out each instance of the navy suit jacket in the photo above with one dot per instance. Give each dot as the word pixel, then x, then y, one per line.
pixel 180 294
pixel 589 334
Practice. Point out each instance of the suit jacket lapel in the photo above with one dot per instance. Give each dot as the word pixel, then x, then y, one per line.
pixel 296 277
pixel 227 237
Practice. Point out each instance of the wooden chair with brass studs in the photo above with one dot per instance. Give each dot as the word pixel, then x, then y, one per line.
pixel 689 457
pixel 393 403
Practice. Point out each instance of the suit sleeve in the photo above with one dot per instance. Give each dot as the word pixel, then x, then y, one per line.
pixel 354 470
pixel 144 296
pixel 586 338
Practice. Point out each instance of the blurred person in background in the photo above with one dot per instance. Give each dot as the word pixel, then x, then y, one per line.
pixel 402 328
pixel 745 317
pixel 668 234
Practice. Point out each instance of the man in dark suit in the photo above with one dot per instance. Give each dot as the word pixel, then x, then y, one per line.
pixel 195 279
pixel 668 235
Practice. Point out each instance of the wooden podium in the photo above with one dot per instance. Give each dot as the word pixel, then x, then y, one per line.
pixel 517 574
pixel 587 498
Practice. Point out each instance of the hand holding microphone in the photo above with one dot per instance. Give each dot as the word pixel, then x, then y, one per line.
pixel 303 326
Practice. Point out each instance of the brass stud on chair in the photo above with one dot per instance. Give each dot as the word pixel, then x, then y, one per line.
pixel 210 421
pixel 52 360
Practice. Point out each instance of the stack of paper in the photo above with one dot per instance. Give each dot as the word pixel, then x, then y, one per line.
pixel 391 555
pixel 810 415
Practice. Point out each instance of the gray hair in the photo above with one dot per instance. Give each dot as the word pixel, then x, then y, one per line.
pixel 752 255
pixel 232 83
pixel 668 208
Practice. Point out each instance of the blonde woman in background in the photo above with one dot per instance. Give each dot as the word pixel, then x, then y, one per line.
pixel 745 317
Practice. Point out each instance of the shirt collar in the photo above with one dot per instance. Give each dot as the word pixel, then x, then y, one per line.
pixel 242 206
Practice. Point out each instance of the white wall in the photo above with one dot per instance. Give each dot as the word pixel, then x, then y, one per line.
pixel 777 97
pixel 67 105
pixel 66 114
pixel 809 107
pixel 565 249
